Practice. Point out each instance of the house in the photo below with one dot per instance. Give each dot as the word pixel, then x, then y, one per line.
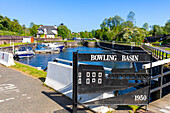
pixel 47 32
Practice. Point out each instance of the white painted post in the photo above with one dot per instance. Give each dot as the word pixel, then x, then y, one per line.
pixel 12 44
pixel 113 43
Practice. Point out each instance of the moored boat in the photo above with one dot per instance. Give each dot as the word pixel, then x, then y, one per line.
pixel 55 46
pixel 24 52
pixel 45 49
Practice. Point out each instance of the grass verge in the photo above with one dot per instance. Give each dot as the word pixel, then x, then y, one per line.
pixel 40 74
pixel 134 107
pixel 167 49
pixel 6 45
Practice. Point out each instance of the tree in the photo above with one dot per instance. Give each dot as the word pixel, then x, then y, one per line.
pixel 131 17
pixel 128 24
pixel 33 29
pixel 93 33
pixel 15 20
pixel 167 26
pixel 82 35
pixel 104 23
pixel 63 31
pixel 146 26
pixel 157 30
pixel 90 35
pixel 98 34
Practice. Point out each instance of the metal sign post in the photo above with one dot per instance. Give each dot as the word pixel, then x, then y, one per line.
pixel 75 82
pixel 92 79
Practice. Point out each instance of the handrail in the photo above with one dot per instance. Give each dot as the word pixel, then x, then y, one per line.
pixel 157 76
pixel 159 53
pixel 67 61
pixel 157 63
pixel 158 88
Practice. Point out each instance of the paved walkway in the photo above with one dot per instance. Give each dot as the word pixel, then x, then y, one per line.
pixel 20 93
pixel 161 105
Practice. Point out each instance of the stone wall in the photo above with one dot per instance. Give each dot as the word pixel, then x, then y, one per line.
pixel 48 39
pixel 6 39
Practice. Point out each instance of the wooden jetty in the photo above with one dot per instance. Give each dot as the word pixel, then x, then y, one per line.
pixel 46 51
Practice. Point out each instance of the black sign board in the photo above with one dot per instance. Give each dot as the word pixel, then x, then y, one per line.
pixel 114 57
pixel 93 79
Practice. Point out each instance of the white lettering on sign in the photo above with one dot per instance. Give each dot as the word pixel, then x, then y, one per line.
pixel 130 57
pixel 103 57
pixel 140 97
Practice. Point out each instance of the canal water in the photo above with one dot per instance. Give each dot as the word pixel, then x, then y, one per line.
pixel 41 60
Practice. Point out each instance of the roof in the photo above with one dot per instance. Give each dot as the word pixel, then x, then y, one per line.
pixel 49 29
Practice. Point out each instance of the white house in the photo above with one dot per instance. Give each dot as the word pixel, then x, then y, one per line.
pixel 47 32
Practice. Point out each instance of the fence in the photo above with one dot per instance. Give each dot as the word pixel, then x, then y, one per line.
pixel 158 53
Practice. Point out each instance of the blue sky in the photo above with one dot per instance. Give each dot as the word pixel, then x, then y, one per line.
pixel 81 15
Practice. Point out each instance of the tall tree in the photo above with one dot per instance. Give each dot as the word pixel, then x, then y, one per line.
pixel 128 24
pixel 33 29
pixel 82 35
pixel 131 17
pixel 93 33
pixel 146 26
pixel 167 26
pixel 63 31
pixel 104 23
pixel 157 30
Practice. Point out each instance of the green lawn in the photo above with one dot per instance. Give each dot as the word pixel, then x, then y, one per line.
pixel 30 71
pixel 11 33
pixel 5 45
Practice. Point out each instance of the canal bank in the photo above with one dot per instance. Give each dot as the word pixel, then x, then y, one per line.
pixel 11 48
pixel 22 93
pixel 93 48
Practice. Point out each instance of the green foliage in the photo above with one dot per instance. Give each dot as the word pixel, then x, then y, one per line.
pixel 167 26
pixel 157 30
pixel 75 35
pixel 82 35
pixel 166 41
pixel 10 25
pixel 134 107
pixel 12 33
pixel 146 26
pixel 63 31
pixel 111 23
pixel 127 24
pixel 90 35
pixel 33 29
pixel 131 17
pixel 99 34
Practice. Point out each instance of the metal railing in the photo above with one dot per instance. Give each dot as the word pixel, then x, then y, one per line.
pixel 160 76
pixel 71 63
pixel 162 85
pixel 138 44
pixel 158 53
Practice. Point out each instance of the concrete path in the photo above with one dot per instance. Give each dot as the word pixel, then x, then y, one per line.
pixel 161 105
pixel 20 93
